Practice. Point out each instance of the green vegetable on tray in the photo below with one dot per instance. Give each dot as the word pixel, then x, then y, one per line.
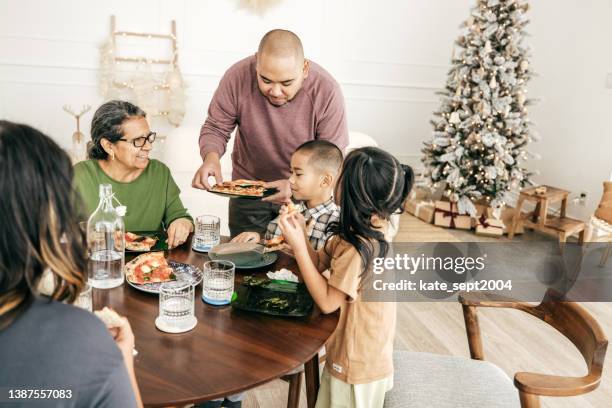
pixel 274 303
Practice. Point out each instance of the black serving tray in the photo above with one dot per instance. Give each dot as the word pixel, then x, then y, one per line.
pixel 272 297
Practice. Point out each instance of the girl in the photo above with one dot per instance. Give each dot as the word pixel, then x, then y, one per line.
pixel 373 185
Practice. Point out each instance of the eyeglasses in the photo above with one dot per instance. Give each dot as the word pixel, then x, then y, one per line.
pixel 140 141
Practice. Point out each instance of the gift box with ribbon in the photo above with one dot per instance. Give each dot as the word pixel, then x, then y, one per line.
pixel 422 209
pixel 489 226
pixel 447 215
pixel 419 193
pixel 481 209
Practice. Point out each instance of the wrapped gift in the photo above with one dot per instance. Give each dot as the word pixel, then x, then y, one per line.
pixel 489 226
pixel 422 209
pixel 481 209
pixel 419 193
pixel 447 215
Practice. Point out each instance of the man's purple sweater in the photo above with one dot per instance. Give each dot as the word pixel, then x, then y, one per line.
pixel 268 135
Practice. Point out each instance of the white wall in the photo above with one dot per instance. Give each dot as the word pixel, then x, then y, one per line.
pixel 572 56
pixel 389 57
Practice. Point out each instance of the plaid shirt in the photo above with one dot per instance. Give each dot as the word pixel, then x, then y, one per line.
pixel 317 219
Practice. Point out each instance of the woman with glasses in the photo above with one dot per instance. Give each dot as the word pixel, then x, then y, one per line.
pixel 121 142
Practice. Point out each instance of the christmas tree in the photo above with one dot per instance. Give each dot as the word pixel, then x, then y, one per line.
pixel 482 128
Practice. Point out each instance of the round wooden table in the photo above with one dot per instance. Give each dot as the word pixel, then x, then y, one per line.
pixel 229 351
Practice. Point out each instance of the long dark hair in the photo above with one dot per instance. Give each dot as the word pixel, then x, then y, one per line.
pixel 372 182
pixel 38 229
pixel 107 124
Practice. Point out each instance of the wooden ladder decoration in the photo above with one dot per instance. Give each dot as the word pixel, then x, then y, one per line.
pixel 171 61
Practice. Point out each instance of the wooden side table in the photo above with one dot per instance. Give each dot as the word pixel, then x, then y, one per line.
pixel 561 227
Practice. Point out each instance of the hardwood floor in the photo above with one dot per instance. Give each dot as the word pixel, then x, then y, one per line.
pixel 512 340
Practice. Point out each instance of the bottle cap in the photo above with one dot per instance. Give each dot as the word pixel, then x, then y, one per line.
pixel 121 210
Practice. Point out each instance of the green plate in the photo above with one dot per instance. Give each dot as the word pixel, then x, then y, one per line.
pixel 160 245
pixel 266 259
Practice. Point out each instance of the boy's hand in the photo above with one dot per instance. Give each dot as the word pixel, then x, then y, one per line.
pixel 246 237
pixel 293 231
pixel 284 192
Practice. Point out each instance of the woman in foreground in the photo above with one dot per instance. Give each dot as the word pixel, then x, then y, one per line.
pixel 45 344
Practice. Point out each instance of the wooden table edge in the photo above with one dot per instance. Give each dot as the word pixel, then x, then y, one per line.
pixel 311 367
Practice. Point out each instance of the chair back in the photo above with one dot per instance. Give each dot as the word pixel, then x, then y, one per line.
pixel 579 326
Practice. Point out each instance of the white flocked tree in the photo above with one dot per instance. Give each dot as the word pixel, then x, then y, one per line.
pixel 482 129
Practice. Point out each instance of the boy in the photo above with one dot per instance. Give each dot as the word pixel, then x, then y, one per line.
pixel 314 168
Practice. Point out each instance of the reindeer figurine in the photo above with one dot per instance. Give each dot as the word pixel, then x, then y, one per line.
pixel 77 137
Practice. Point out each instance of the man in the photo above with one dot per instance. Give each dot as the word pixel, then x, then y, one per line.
pixel 278 100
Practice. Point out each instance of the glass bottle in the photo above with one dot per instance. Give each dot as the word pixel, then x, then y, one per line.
pixel 106 242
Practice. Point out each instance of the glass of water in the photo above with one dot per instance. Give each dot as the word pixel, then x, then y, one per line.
pixel 84 300
pixel 207 233
pixel 176 307
pixel 218 282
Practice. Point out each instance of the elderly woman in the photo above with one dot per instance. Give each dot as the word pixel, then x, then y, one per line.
pixel 119 155
pixel 46 344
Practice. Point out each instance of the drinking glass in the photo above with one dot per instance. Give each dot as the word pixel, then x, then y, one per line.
pixel 207 233
pixel 84 300
pixel 218 282
pixel 176 307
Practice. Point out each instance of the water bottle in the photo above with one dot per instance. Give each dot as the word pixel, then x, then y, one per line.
pixel 106 242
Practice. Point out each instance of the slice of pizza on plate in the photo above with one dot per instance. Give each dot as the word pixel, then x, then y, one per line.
pixel 244 183
pixel 248 188
pixel 151 267
pixel 135 242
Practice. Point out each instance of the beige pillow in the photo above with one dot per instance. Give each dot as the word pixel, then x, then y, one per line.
pixel 604 211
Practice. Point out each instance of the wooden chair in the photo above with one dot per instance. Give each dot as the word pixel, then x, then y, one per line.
pixel 295 385
pixel 570 319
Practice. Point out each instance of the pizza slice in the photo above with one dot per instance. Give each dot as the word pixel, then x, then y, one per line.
pixel 278 243
pixel 291 207
pixel 110 318
pixel 245 183
pixel 240 187
pixel 135 242
pixel 274 244
pixel 149 268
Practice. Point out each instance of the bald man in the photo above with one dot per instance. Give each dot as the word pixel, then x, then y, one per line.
pixel 278 100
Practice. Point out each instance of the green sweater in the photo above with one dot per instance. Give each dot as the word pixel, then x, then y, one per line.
pixel 152 199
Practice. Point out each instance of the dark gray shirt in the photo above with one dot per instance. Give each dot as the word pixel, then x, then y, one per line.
pixel 54 346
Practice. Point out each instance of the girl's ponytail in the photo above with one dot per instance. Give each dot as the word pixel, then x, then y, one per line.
pixel 408 181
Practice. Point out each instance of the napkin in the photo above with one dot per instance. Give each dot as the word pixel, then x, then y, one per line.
pixel 283 274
